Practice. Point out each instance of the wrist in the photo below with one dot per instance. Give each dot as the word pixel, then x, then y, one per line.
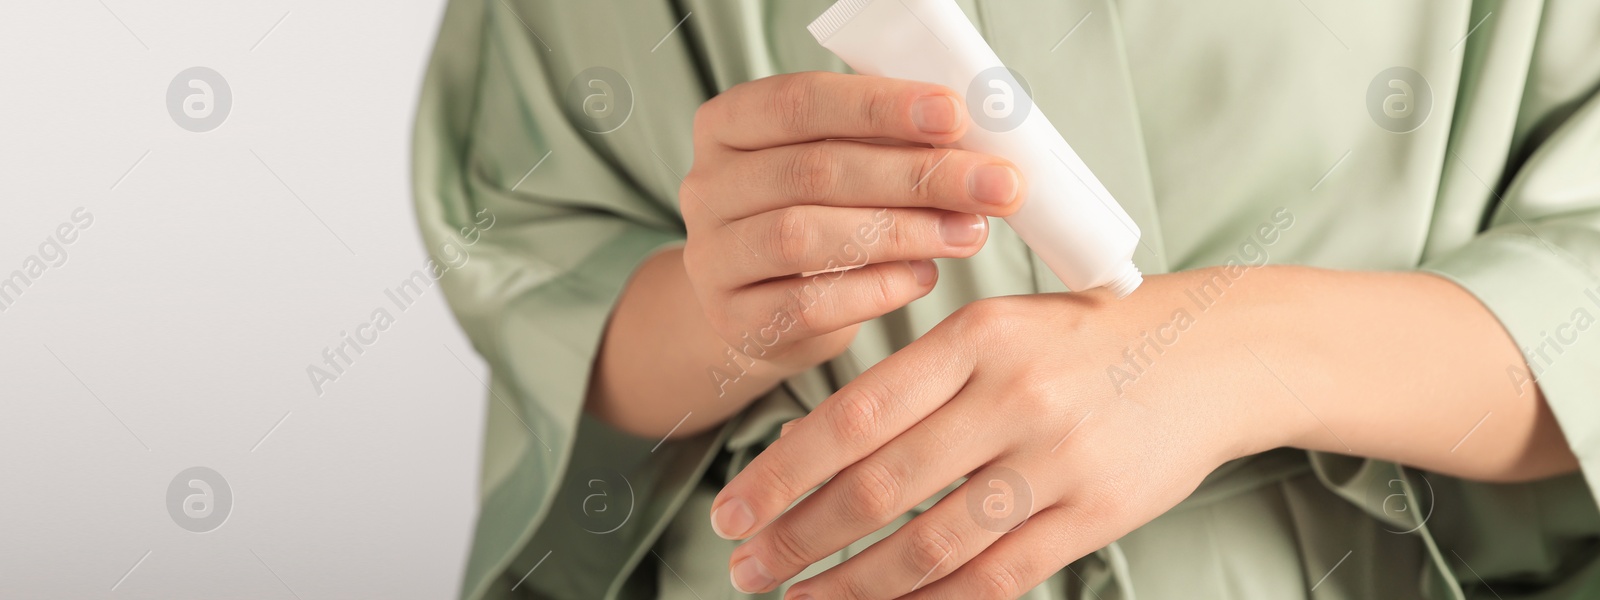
pixel 1267 350
pixel 1292 352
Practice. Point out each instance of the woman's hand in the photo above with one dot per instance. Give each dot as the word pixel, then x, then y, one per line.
pixel 778 192
pixel 1015 392
pixel 1080 418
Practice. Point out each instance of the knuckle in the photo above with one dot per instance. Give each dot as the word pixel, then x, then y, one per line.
pixel 861 412
pixel 793 103
pixel 974 316
pixel 930 549
pixel 999 580
pixel 1097 504
pixel 905 241
pixel 1033 398
pixel 787 548
pixel 991 317
pixel 791 237
pixel 873 495
pixel 1034 388
pixel 791 223
pixel 976 311
pixel 852 588
pixel 922 183
pixel 882 293
pixel 812 174
pixel 878 110
pixel 840 584
pixel 778 486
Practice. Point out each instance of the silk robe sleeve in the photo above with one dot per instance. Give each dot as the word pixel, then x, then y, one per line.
pixel 573 205
pixel 1534 265
pixel 1525 143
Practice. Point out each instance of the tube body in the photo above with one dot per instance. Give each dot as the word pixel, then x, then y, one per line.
pixel 1068 218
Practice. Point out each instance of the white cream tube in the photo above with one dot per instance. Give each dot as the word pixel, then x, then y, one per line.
pixel 1069 218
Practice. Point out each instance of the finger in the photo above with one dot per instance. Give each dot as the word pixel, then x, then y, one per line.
pixel 804 107
pixel 876 407
pixel 847 173
pixel 864 498
pixel 799 308
pixel 931 546
pixel 1022 559
pixel 805 239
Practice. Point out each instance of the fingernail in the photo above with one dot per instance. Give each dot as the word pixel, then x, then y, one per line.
pixel 961 229
pixel 994 184
pixel 732 519
pixel 750 576
pixel 936 114
pixel 924 271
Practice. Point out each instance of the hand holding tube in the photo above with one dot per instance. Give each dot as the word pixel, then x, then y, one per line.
pixel 798 231
pixel 1070 220
pixel 797 234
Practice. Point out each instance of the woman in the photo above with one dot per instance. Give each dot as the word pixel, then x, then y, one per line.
pixel 1370 240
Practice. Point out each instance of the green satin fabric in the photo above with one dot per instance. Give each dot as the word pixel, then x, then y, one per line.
pixel 1204 119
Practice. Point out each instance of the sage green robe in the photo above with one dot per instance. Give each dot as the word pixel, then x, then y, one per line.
pixel 1203 118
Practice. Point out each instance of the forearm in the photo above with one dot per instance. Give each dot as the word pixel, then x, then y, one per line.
pixel 1406 367
pixel 660 359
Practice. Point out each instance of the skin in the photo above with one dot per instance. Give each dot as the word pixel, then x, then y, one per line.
pixel 780 187
pixel 1017 393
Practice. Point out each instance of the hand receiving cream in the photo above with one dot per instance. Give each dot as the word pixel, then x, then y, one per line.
pixel 1069 218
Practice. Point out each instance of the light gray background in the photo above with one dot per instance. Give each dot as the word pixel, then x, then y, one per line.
pixel 178 332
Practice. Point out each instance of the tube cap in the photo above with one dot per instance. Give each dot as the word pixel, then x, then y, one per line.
pixel 1127 280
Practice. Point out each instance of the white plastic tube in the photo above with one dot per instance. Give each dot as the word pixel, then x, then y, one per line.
pixel 1069 218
